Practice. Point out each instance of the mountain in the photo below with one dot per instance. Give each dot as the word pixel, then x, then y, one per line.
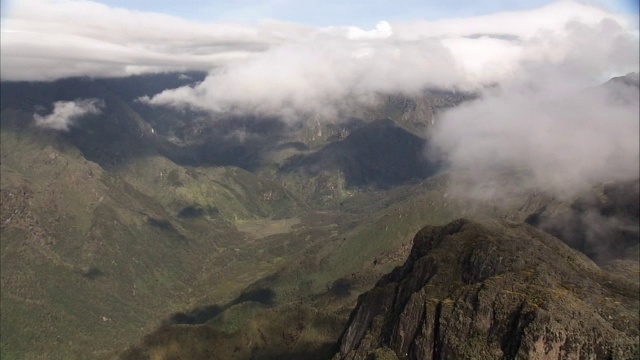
pixel 102 236
pixel 369 155
pixel 496 290
pixel 93 257
pixel 631 80
pixel 149 232
pixel 140 217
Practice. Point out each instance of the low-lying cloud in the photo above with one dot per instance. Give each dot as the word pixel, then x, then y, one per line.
pixel 295 81
pixel 48 40
pixel 330 69
pixel 549 127
pixel 65 113
pixel 540 139
pixel 278 67
pixel 531 68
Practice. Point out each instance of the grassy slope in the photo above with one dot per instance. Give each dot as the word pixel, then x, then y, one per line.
pixel 90 260
pixel 358 242
pixel 91 244
pixel 94 258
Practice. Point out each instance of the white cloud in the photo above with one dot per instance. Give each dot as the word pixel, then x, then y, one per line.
pixel 330 68
pixel 540 58
pixel 557 144
pixel 50 39
pixel 66 112
pixel 522 24
pixel 541 129
pixel 47 39
pixel 318 77
pixel 383 30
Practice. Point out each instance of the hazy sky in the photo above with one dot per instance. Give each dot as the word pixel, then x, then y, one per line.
pixel 338 12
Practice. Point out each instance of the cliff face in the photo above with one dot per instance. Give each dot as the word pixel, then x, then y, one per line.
pixel 496 290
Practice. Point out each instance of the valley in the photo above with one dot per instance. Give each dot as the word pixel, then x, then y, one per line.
pixel 159 233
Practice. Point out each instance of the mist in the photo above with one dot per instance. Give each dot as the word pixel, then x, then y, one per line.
pixel 298 71
pixel 551 127
pixel 332 69
pixel 319 78
pixel 65 113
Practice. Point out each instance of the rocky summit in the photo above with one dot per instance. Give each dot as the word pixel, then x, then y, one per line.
pixel 496 290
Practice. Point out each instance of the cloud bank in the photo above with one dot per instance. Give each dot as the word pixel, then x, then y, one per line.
pixel 51 39
pixel 540 140
pixel 66 112
pixel 536 118
pixel 329 69
pixel 547 128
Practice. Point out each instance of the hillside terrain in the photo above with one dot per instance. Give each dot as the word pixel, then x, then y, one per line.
pixel 146 232
pixel 137 214
pixel 497 290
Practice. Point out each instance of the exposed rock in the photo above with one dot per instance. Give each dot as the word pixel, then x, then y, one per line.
pixel 497 290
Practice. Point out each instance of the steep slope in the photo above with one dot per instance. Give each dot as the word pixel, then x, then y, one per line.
pixel 492 291
pixel 331 257
pixel 88 260
pixel 204 231
pixel 416 113
pixel 603 223
pixel 378 155
pixel 104 235
pixel 95 252
pixel 343 254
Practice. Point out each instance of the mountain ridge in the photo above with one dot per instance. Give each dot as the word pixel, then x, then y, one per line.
pixel 468 289
pixel 157 221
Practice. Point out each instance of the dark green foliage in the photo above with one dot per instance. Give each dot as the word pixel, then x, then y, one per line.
pixel 159 223
pixel 262 296
pixel 198 315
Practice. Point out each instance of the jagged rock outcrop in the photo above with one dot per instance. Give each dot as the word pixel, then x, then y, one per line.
pixel 497 290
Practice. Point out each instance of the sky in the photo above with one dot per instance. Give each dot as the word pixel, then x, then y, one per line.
pixel 336 12
pixel 529 62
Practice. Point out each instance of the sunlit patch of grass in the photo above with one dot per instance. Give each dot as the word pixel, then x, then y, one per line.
pixel 266 227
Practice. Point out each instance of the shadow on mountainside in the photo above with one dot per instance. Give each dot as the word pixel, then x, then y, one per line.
pixel 127 128
pixel 120 132
pixel 202 314
pixel 236 141
pixel 380 154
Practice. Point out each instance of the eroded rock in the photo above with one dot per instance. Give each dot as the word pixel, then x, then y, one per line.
pixel 496 290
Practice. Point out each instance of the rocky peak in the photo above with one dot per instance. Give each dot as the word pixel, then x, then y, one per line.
pixel 496 290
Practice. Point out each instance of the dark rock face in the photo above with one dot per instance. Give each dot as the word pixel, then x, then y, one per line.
pixel 604 223
pixel 497 290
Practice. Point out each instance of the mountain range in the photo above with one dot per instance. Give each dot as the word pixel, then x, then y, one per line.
pixel 146 232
